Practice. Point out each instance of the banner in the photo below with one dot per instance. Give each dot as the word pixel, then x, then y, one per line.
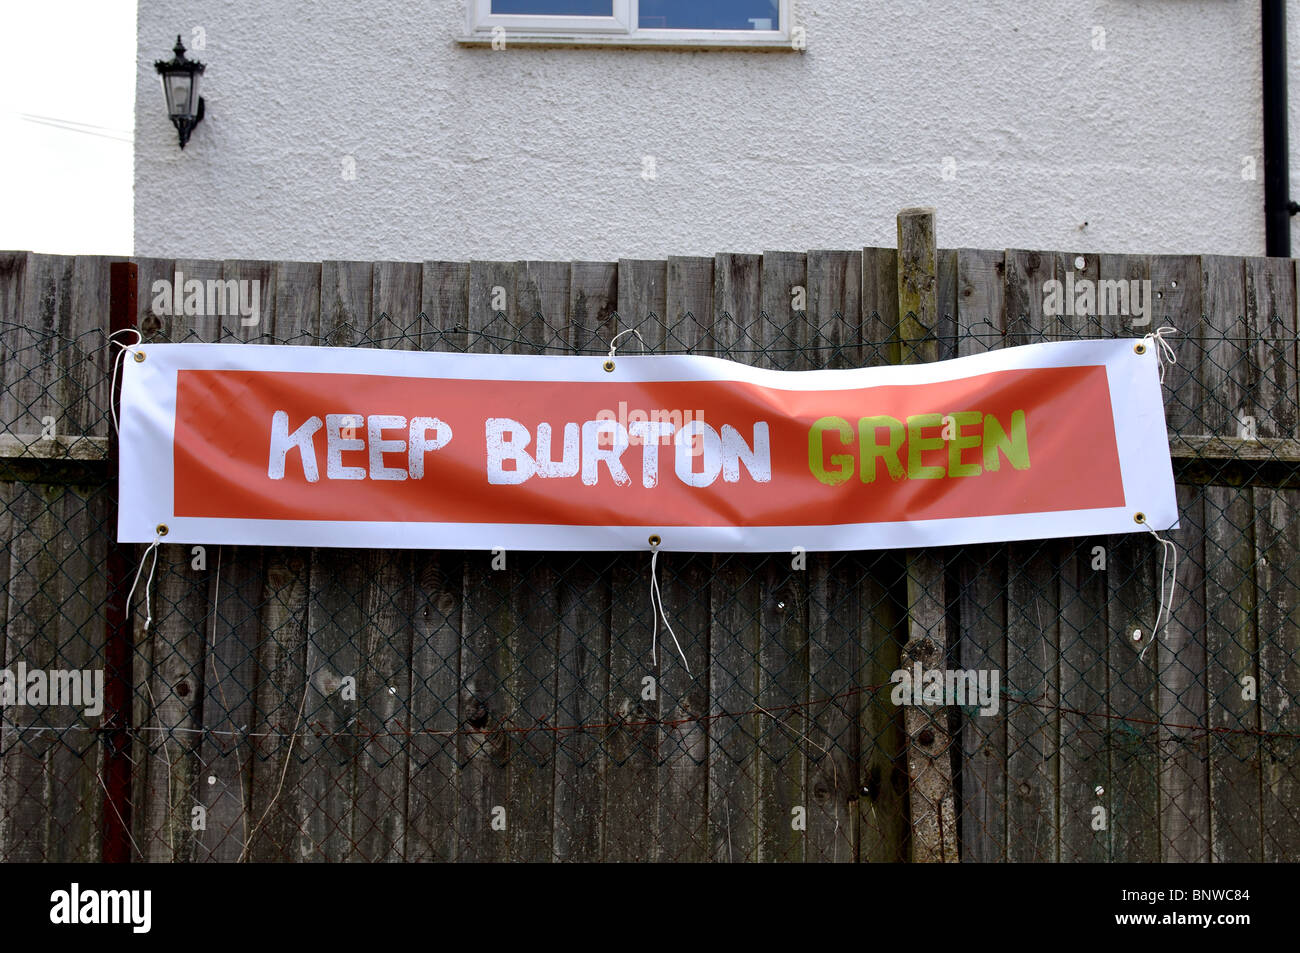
pixel 316 446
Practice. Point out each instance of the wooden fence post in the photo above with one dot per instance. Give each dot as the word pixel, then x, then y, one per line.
pixel 118 681
pixel 929 763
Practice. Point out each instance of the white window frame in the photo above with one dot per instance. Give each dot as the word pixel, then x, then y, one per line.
pixel 482 19
pixel 482 28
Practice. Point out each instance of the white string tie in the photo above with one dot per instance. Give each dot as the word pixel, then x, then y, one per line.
pixel 613 342
pixel 118 358
pixel 657 607
pixel 1166 610
pixel 1165 353
pixel 148 607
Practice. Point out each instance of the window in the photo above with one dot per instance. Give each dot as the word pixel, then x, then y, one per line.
pixel 721 23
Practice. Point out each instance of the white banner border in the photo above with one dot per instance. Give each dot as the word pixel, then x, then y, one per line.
pixel 149 411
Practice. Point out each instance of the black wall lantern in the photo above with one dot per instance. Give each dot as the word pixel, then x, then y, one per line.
pixel 180 81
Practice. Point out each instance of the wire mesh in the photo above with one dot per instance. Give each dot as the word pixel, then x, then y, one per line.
pixel 335 704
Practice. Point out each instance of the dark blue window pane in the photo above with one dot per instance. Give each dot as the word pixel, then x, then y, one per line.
pixel 710 15
pixel 556 8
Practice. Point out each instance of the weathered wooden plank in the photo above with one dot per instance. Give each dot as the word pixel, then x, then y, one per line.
pixel 174 686
pixel 256 285
pixel 153 299
pixel 437 621
pixel 541 324
pixel 918 291
pixel 484 745
pixel 834 310
pixel 1074 313
pixel 981 304
pixel 883 828
pixel 487 617
pixel 931 791
pixel 832 338
pixel 295 316
pixel 276 809
pixel 684 583
pixel 331 746
pixel 1026 274
pixel 582 685
pixel 782 624
pixel 229 671
pixel 946 282
pixel 1085 782
pixel 1032 637
pixel 86 359
pixel 689 305
pixel 833 619
pixel 50 348
pixel 1133 564
pixel 383 692
pixel 642 301
pixel 83 555
pixel 1176 302
pixel 781 331
pixel 981 572
pixel 445 293
pixel 1271 390
pixel 32 586
pixel 1031 687
pixel 1270 384
pixel 34 446
pixel 1223 449
pixel 383 678
pixel 632 795
pixel 277 806
pixel 737 600
pixel 1231 656
pixel 582 638
pixel 1184 781
pixel 73 765
pixel 1230 592
pixel 783 608
pixel 7 490
pixel 13 334
pixel 346 289
pixel 338 614
pixel 593 305
pixel 195 320
pixel 879 306
pixel 50 800
pixel 435 677
pixel 34 387
pixel 1223 410
pixel 1278 548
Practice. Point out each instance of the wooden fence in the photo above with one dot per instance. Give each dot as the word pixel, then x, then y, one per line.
pixel 503 715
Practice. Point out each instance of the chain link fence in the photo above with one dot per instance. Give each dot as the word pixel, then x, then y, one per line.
pixel 338 704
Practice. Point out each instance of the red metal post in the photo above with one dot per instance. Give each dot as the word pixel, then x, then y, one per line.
pixel 117 613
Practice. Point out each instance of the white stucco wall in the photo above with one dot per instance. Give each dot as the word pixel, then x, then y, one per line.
pixel 537 153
